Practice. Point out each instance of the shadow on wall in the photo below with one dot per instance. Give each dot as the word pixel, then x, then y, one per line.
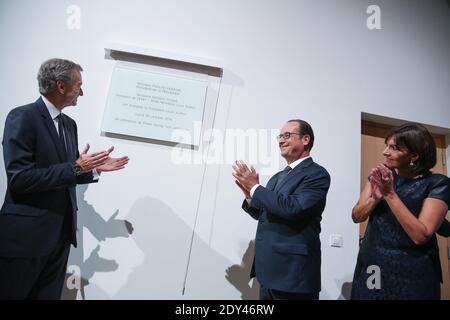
pixel 164 238
pixel 77 279
pixel 346 290
pixel 344 294
pixel 239 275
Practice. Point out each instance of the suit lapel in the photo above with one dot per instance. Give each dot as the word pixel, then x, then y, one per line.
pixel 51 128
pixel 295 172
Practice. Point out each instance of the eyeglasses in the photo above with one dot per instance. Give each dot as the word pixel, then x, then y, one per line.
pixel 287 135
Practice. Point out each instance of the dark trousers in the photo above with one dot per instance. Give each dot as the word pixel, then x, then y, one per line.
pixel 40 278
pixel 271 294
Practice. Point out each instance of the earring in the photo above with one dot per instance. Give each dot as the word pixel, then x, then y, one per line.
pixel 411 163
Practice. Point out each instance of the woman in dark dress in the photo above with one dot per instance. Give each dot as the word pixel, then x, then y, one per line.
pixel 406 204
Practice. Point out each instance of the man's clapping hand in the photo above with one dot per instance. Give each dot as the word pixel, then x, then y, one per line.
pixel 113 164
pixel 88 162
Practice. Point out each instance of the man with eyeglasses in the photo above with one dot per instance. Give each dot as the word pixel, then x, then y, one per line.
pixel 289 210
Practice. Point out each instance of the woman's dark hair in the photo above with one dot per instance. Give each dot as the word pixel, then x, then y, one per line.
pixel 416 139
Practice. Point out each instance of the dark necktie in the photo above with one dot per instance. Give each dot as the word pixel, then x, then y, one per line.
pixel 61 133
pixel 282 175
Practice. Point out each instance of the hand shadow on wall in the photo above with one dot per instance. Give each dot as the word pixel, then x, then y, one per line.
pixel 239 275
pixel 164 240
pixel 102 230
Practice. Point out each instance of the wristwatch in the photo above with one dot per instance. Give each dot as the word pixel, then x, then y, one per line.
pixel 76 169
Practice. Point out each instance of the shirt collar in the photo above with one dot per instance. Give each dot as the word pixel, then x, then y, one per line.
pixel 298 161
pixel 54 112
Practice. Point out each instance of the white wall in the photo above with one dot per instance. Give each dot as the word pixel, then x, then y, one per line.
pixel 314 60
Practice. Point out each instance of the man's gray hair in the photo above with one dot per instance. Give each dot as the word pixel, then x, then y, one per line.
pixel 53 70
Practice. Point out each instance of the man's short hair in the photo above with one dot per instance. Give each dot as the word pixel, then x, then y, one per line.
pixel 305 129
pixel 53 70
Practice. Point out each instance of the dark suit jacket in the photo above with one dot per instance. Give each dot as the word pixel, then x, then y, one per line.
pixel 287 244
pixel 41 183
